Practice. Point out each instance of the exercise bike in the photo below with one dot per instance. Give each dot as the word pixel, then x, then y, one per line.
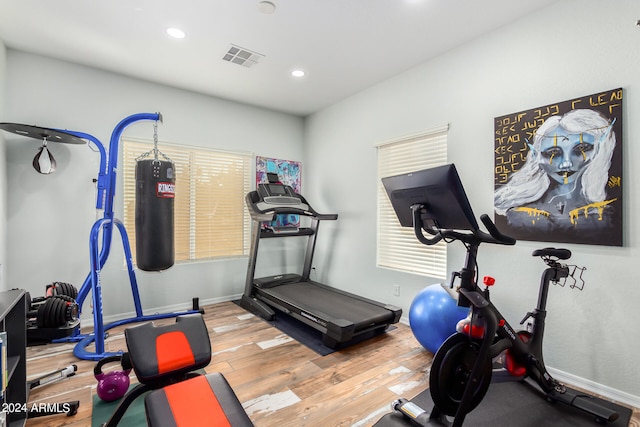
pixel 462 367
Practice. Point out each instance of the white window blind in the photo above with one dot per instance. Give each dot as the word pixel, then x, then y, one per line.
pixel 398 247
pixel 210 217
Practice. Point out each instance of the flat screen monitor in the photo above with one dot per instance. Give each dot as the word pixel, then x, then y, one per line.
pixel 440 191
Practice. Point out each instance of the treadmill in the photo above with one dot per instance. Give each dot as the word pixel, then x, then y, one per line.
pixel 340 316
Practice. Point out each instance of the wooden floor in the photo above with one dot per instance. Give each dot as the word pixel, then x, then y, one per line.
pixel 279 381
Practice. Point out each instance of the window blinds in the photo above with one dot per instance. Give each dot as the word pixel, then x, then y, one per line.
pixel 397 246
pixel 211 219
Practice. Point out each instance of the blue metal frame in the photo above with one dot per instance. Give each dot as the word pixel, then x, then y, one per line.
pixel 99 251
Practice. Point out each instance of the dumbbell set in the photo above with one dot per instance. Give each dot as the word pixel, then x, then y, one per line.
pixel 55 309
pixel 54 315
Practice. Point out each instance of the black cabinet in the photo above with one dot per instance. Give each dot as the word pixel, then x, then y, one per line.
pixel 13 321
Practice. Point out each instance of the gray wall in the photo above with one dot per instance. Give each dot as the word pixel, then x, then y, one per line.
pixel 571 49
pixel 50 216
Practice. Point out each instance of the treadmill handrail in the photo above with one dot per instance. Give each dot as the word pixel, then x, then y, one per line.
pixel 326 217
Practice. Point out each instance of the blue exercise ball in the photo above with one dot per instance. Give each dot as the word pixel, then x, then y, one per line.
pixel 433 316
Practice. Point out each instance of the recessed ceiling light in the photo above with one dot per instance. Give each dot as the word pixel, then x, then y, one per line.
pixel 297 73
pixel 176 33
pixel 266 7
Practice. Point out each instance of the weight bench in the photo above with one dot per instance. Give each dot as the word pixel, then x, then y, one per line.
pixel 164 359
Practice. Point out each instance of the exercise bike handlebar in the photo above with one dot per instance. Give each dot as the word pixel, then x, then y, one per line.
pixel 473 236
pixel 496 235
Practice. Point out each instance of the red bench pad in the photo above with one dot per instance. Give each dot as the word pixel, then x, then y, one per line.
pixel 205 400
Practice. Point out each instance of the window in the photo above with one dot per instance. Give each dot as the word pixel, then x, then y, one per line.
pixel 210 217
pixel 398 247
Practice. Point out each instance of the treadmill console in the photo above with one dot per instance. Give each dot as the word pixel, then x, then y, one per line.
pixel 277 194
pixel 274 195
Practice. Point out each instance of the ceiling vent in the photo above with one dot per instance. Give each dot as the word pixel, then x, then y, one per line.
pixel 241 56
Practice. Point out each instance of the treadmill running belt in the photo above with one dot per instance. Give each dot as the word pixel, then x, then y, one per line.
pixel 318 300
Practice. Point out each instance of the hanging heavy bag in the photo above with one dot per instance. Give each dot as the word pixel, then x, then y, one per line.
pixel 155 193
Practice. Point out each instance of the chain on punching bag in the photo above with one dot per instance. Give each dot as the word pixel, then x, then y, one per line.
pixel 155 193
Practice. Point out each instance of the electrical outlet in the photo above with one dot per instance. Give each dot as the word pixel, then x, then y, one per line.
pixel 396 290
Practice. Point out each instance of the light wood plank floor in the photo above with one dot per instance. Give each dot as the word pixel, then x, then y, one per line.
pixel 279 381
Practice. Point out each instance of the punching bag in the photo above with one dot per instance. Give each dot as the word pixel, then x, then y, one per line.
pixel 155 193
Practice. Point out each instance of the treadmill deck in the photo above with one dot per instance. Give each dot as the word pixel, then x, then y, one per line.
pixel 323 301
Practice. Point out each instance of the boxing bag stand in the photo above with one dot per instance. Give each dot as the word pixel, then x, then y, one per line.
pixel 100 244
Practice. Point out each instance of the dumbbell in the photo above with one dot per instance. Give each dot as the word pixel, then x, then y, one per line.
pixel 53 311
pixel 61 288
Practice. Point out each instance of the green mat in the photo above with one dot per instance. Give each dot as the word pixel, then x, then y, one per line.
pixel 134 417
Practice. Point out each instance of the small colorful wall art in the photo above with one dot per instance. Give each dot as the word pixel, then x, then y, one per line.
pixel 558 171
pixel 289 174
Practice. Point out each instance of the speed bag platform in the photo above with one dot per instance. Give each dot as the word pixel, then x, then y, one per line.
pixel 155 194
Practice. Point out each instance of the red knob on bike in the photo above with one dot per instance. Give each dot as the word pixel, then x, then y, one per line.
pixel 488 280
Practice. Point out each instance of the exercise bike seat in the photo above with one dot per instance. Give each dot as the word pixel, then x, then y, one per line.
pixel 552 252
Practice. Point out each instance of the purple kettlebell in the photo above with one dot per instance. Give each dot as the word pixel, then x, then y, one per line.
pixel 111 385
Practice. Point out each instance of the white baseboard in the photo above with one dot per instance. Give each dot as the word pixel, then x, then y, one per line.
pixel 607 392
pixel 86 319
